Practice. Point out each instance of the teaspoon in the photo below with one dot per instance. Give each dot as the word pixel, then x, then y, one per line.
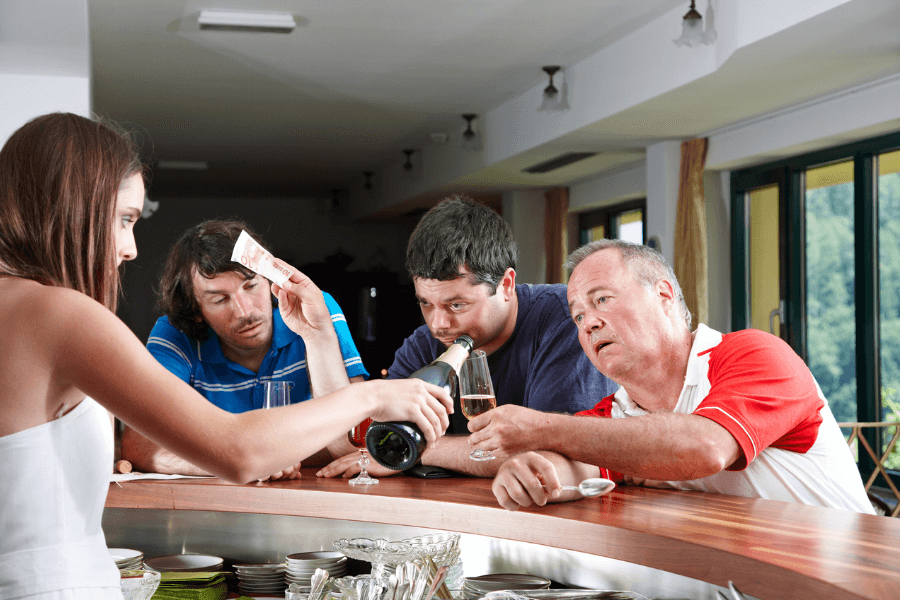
pixel 592 487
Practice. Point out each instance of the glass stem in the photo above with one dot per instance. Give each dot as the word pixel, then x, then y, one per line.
pixel 363 462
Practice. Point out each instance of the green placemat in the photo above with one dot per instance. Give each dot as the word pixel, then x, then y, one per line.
pixel 191 586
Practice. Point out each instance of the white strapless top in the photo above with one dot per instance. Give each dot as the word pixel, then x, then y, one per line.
pixel 54 479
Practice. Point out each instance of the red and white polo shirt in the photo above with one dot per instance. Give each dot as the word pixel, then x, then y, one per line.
pixel 754 385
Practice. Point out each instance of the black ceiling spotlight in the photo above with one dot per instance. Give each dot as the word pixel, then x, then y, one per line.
pixel 407 164
pixel 333 205
pixel 368 183
pixel 469 133
pixel 551 91
pixel 411 170
pixel 471 137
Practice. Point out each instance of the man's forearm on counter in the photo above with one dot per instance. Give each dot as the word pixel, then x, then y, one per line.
pixel 452 452
pixel 660 446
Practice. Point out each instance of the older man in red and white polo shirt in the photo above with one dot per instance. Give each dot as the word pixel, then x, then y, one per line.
pixel 738 413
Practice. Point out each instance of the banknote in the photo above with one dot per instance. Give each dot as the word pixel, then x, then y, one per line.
pixel 259 260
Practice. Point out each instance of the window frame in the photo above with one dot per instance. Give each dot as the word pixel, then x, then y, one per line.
pixel 789 174
pixel 606 216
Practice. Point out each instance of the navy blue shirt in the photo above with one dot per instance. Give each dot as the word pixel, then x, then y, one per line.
pixel 233 387
pixel 541 365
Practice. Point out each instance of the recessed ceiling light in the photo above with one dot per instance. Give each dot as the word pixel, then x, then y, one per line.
pixel 241 20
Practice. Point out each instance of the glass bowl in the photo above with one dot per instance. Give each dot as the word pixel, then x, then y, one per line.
pixel 378 552
pixel 362 587
pixel 139 585
pixel 442 548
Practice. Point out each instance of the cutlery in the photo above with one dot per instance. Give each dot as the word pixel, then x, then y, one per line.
pixel 316 583
pixel 437 581
pixel 735 593
pixel 418 588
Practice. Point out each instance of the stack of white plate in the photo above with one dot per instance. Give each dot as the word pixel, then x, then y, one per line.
pixel 476 587
pixel 127 559
pixel 264 578
pixel 300 567
pixel 184 562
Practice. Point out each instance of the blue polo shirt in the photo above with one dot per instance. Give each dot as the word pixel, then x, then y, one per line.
pixel 233 387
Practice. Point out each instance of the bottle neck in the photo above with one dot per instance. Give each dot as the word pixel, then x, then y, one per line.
pixel 454 356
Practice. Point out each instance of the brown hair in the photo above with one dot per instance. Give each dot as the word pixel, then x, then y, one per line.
pixel 59 182
pixel 460 232
pixel 204 249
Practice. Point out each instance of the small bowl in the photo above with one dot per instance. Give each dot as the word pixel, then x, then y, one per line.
pixel 140 588
pixel 442 548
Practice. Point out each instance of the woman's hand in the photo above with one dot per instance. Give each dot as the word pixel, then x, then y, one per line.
pixel 424 404
pixel 285 474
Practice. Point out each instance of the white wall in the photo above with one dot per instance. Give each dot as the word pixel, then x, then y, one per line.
pixel 850 115
pixel 524 211
pixel 663 176
pixel 23 97
pixel 626 184
pixel 44 60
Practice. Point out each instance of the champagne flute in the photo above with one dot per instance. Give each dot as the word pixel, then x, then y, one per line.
pixel 476 393
pixel 357 437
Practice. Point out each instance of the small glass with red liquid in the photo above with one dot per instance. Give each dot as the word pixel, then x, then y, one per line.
pixel 357 437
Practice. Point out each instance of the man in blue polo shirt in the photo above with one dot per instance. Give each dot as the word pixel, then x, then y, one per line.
pixel 222 335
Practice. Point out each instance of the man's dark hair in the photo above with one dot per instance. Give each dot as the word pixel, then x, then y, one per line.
pixel 205 249
pixel 461 232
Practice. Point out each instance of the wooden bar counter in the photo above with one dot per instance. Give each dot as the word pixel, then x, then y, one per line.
pixel 770 550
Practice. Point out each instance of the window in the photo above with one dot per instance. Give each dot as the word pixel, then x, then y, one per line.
pixel 623 221
pixel 817 239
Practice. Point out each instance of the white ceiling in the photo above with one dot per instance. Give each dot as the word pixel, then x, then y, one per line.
pixel 357 81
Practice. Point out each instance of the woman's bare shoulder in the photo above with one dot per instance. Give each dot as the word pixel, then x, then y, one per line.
pixel 39 307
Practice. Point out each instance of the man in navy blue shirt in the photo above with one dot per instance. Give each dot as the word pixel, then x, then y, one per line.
pixel 222 335
pixel 462 259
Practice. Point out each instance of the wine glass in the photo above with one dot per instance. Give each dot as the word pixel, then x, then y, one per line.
pixel 357 437
pixel 476 393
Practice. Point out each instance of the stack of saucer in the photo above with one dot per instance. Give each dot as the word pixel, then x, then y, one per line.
pixel 266 578
pixel 302 566
pixel 127 559
pixel 477 587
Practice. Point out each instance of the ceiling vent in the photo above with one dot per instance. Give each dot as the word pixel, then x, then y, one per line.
pixel 563 160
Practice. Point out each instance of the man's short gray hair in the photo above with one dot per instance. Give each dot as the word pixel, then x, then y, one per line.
pixel 646 264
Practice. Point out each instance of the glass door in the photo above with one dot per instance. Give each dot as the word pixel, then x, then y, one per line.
pixel 830 284
pixel 888 186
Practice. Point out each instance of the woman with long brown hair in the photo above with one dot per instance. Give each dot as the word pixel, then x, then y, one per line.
pixel 71 189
